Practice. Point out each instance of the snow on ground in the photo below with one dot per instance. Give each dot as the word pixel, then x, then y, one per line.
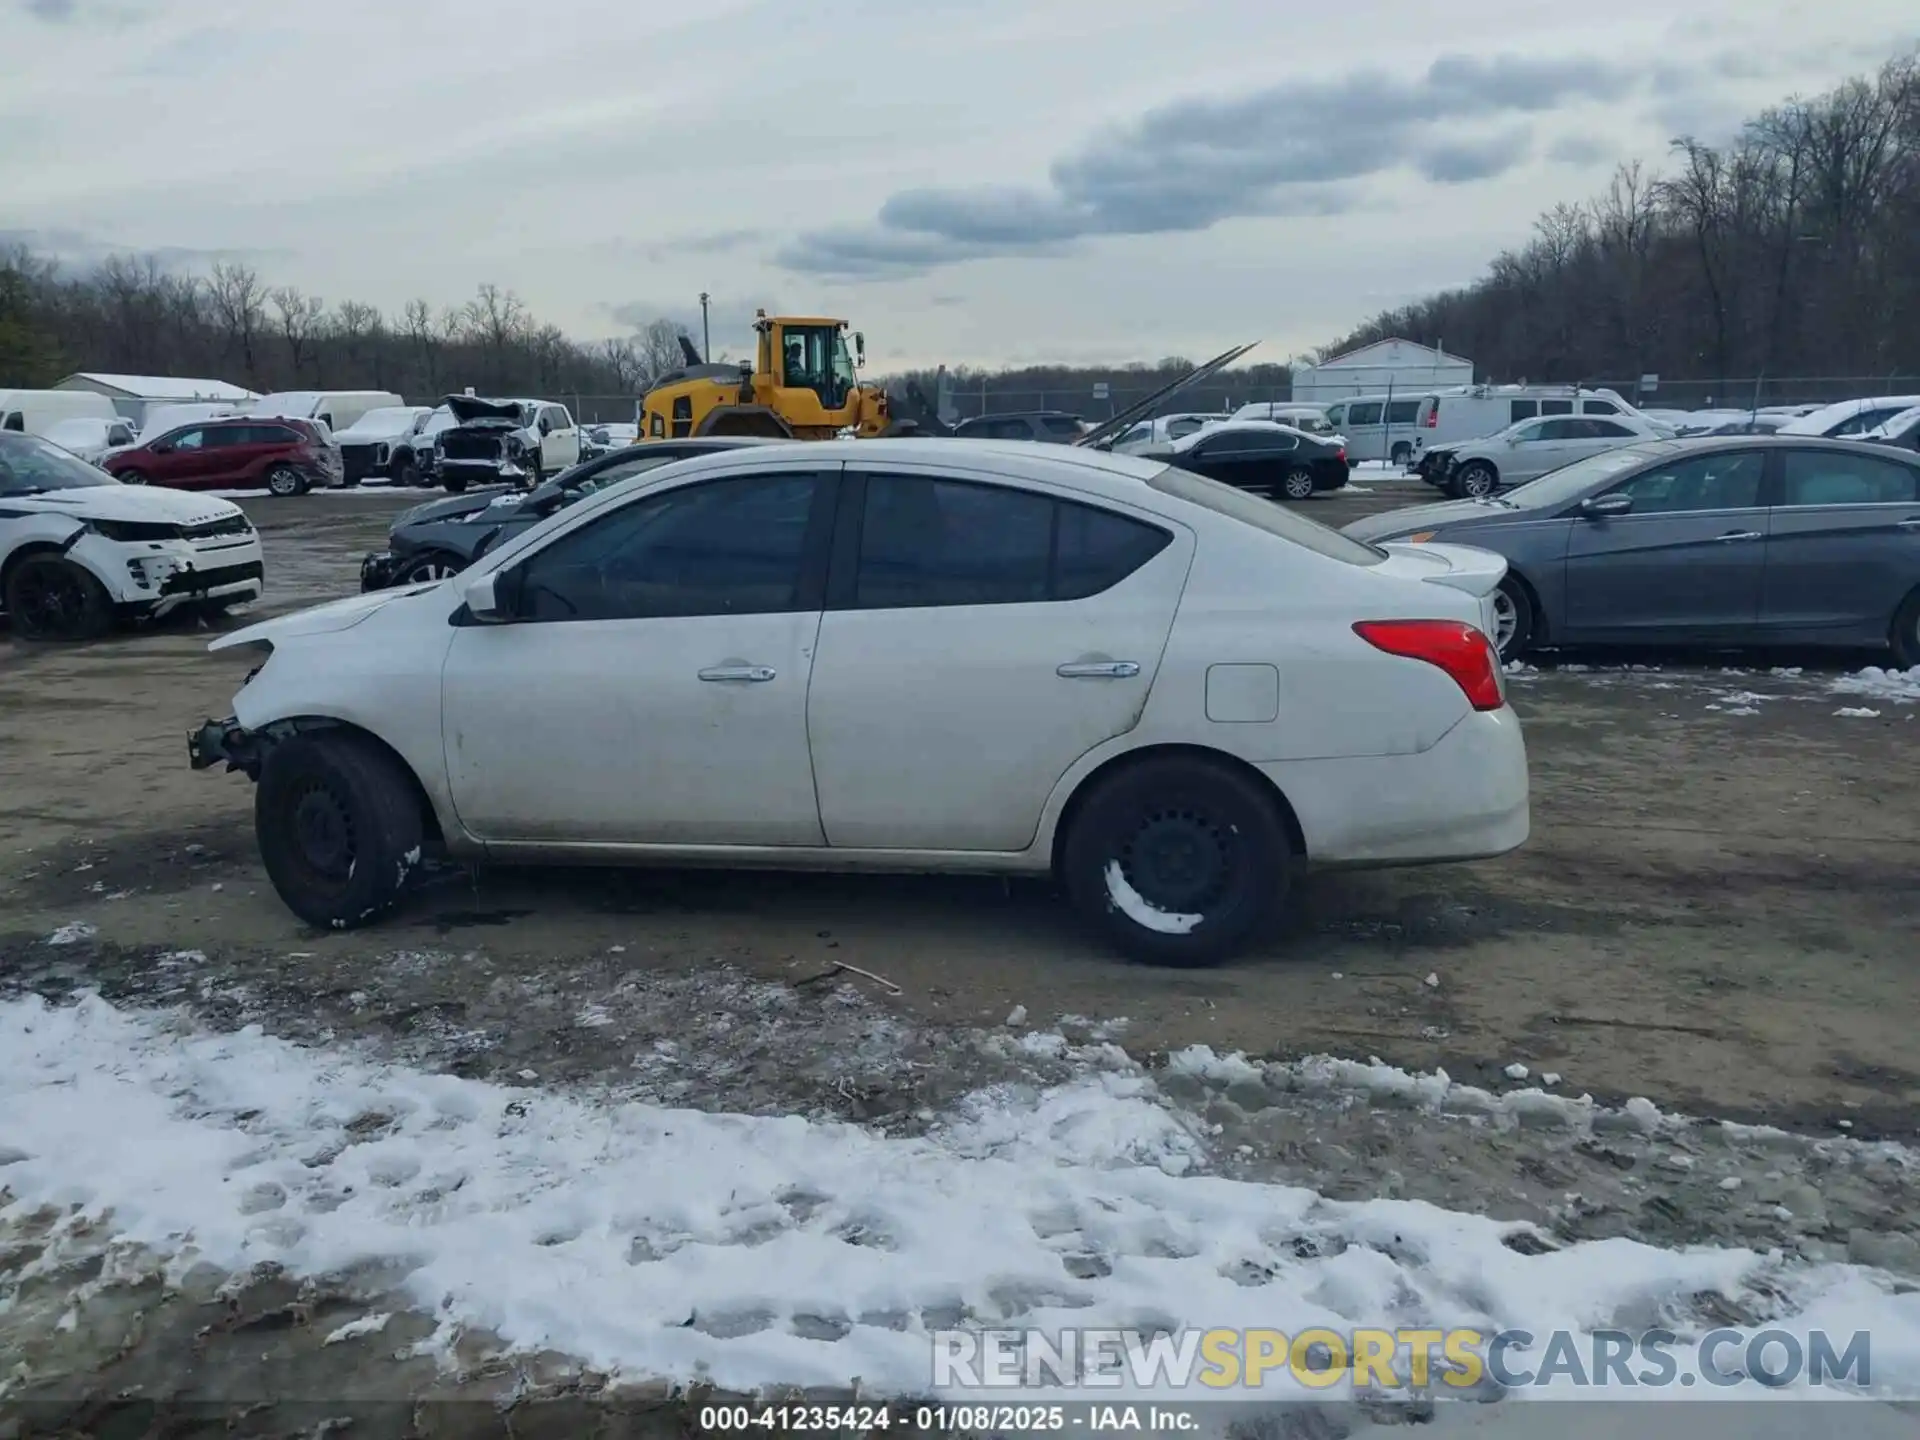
pixel 1901 686
pixel 666 1243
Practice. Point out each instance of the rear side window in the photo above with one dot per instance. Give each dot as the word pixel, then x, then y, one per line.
pixel 265 435
pixel 1403 412
pixel 1556 407
pixel 1518 410
pixel 1237 504
pixel 1599 407
pixel 927 542
pixel 1060 425
pixel 1815 477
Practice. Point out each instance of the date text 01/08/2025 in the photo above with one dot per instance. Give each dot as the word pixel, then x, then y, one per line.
pixel 862 1419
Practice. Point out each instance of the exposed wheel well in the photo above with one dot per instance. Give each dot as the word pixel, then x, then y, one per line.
pixel 1296 838
pixel 27 552
pixel 311 724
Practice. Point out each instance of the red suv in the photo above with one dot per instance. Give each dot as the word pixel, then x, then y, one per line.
pixel 284 457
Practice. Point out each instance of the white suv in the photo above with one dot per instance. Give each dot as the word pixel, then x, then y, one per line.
pixel 78 549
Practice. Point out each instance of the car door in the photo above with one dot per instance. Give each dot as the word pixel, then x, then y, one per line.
pixel 183 460
pixel 1843 542
pixel 980 637
pixel 560 445
pixel 1686 561
pixel 1233 457
pixel 652 688
pixel 1535 448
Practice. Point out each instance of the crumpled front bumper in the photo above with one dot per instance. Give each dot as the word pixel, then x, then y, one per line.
pixel 225 742
pixel 150 578
pixel 377 571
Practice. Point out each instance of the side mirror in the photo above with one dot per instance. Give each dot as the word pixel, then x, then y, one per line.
pixel 859 348
pixel 1598 507
pixel 487 597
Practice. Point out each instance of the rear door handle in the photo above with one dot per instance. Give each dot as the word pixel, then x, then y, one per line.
pixel 1733 535
pixel 751 674
pixel 1099 670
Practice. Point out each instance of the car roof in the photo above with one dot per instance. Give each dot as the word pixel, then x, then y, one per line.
pixel 1098 472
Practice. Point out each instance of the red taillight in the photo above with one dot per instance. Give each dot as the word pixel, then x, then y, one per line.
pixel 1462 651
pixel 1341 454
pixel 1433 416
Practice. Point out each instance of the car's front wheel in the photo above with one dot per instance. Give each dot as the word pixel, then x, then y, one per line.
pixel 1475 479
pixel 1513 619
pixel 130 477
pixel 51 598
pixel 339 826
pixel 284 480
pixel 454 484
pixel 1176 860
pixel 400 470
pixel 1298 483
pixel 1906 632
pixel 427 568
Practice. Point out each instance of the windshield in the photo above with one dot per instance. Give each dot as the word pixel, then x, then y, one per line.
pixel 817 359
pixel 1570 482
pixel 1237 504
pixel 30 466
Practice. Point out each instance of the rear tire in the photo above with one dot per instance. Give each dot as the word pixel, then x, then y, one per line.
pixel 1513 608
pixel 284 481
pixel 455 484
pixel 131 477
pixel 51 599
pixel 1402 453
pixel 339 825
pixel 1176 861
pixel 1475 479
pixel 1906 632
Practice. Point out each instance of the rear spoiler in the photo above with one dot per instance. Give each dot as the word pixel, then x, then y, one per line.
pixel 1106 430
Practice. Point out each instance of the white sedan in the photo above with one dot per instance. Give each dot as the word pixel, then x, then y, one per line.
pixel 899 655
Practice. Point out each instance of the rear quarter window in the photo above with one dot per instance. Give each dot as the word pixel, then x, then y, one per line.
pixel 1237 504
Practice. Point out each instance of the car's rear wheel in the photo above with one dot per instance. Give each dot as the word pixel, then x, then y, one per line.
pixel 284 480
pixel 339 826
pixel 425 568
pixel 1298 483
pixel 1906 632
pixel 1475 479
pixel 130 477
pixel 1513 619
pixel 1176 861
pixel 455 484
pixel 400 471
pixel 1402 453
pixel 50 598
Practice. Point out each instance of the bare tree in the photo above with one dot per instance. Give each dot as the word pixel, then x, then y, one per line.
pixel 298 318
pixel 239 303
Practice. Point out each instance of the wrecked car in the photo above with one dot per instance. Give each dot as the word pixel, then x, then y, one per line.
pixel 378 445
pixel 512 442
pixel 79 550
pixel 443 537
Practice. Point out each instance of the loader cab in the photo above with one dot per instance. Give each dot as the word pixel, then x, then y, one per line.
pixel 808 355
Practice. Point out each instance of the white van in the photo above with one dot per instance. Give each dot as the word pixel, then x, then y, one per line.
pixel 1378 427
pixel 1469 412
pixel 33 412
pixel 336 409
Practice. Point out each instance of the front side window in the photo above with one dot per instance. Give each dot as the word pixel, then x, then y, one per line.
pixel 1866 420
pixel 1521 410
pixel 187 440
pixel 1607 430
pixel 1367 414
pixel 1817 477
pixel 1728 481
pixel 1556 407
pixel 725 547
pixel 930 542
pixel 1599 407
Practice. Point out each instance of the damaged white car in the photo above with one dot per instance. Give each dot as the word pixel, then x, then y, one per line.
pixel 79 550
pixel 516 442
pixel 896 655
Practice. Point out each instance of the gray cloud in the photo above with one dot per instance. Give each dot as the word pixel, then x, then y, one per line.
pixel 53 11
pixel 712 242
pixel 1579 150
pixel 1292 149
pixel 731 321
pixel 80 251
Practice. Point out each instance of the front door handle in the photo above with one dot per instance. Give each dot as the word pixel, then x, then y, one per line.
pixel 1099 670
pixel 1733 535
pixel 750 674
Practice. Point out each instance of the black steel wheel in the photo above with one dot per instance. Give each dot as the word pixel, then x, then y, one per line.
pixel 50 598
pixel 339 823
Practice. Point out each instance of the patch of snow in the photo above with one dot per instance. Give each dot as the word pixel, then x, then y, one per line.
pixel 1731 1183
pixel 1017 1015
pixel 1902 686
pixel 1519 667
pixel 659 1243
pixel 1550 1077
pixel 1130 903
pixel 1857 712
pixel 1432 982
pixel 1515 1071
pixel 73 933
pixel 354 1329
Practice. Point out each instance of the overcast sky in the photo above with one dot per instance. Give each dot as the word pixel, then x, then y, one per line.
pixel 968 181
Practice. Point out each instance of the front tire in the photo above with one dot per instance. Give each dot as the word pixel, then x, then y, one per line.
pixel 427 568
pixel 455 484
pixel 1514 619
pixel 1176 861
pixel 1475 480
pixel 1298 483
pixel 130 477
pixel 339 826
pixel 284 481
pixel 400 472
pixel 51 599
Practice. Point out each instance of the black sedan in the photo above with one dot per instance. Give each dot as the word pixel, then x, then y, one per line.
pixel 1260 456
pixel 443 537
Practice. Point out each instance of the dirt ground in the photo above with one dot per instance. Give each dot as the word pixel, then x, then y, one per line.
pixel 1716 911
